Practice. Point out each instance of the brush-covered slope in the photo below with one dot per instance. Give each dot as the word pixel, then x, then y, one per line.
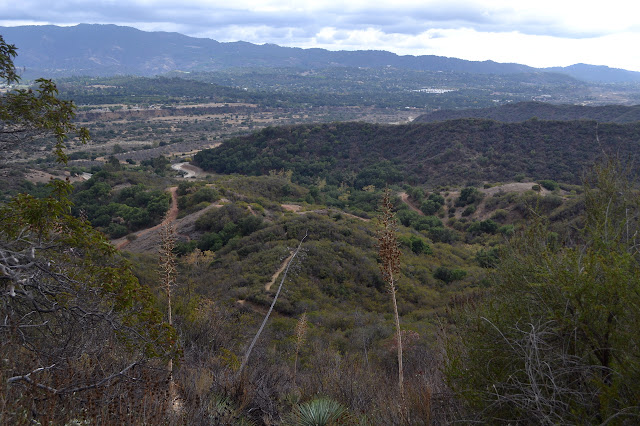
pixel 522 111
pixel 452 152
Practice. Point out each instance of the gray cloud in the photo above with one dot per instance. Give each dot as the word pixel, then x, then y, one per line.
pixel 194 15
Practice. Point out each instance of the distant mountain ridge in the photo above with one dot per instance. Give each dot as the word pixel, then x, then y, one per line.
pixel 522 111
pixel 103 50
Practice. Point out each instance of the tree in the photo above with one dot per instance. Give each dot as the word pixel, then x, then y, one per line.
pixel 77 330
pixel 29 115
pixel 556 339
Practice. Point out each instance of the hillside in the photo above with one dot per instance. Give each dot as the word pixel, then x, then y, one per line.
pixel 522 111
pixel 447 153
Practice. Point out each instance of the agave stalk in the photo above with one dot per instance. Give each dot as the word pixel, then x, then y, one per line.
pixel 389 254
pixel 301 331
pixel 168 274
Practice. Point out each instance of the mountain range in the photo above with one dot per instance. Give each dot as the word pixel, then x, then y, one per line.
pixel 104 50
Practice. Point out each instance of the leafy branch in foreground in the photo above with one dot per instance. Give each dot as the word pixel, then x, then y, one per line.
pixel 556 339
pixel 77 330
pixel 29 114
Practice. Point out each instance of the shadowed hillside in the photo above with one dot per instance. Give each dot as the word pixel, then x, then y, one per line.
pixel 452 152
pixel 523 111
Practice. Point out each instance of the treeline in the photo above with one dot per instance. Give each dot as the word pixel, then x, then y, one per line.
pixel 332 86
pixel 523 111
pixel 131 89
pixel 452 152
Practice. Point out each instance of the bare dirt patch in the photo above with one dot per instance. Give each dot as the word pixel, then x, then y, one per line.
pixel 291 207
pixel 405 199
pixel 268 285
pixel 38 176
pixel 518 187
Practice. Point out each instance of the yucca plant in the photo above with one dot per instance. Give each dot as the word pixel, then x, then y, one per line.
pixel 318 412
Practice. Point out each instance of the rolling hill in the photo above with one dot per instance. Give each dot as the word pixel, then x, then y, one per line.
pixel 446 153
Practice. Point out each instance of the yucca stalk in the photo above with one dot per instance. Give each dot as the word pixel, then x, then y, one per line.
pixel 301 331
pixel 389 254
pixel 168 274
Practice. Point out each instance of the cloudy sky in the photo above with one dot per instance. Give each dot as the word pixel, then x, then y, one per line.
pixel 540 33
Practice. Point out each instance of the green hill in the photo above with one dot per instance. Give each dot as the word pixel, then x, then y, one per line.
pixel 448 153
pixel 523 111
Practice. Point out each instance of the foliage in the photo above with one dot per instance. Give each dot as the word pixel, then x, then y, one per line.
pixel 76 322
pixel 468 195
pixel 318 412
pixel 448 275
pixel 460 151
pixel 555 341
pixel 26 115
pixel 488 258
pixel 118 213
pixel 549 184
pixel 194 196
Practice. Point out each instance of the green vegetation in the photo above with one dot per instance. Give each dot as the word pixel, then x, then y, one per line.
pixel 75 318
pixel 458 152
pixel 529 288
pixel 121 211
pixel 553 342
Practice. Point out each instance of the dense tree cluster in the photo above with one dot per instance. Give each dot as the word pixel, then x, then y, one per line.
pixel 453 152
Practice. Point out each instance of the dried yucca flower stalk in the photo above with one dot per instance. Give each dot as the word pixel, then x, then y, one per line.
pixel 389 254
pixel 301 331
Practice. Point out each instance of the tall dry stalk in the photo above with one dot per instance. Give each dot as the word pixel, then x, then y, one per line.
pixel 389 265
pixel 301 332
pixel 168 275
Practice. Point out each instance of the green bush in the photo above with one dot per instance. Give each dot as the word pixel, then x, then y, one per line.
pixel 551 185
pixel 447 275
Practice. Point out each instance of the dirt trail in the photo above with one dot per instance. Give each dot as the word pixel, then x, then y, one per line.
pixel 405 199
pixel 268 285
pixel 172 215
pixel 295 208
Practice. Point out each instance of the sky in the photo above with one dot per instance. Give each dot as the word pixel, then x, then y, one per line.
pixel 540 33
